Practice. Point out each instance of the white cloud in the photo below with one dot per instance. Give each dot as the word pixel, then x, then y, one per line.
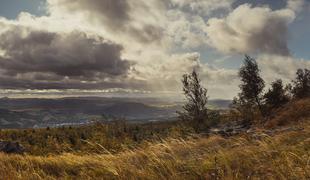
pixel 250 29
pixel 166 75
pixel 164 38
pixel 280 67
pixel 203 7
pixel 186 31
pixel 295 5
pixel 136 20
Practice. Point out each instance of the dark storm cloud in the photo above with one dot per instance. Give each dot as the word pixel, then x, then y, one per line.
pixel 48 60
pixel 72 54
pixel 149 33
pixel 273 38
pixel 20 83
pixel 113 12
pixel 116 16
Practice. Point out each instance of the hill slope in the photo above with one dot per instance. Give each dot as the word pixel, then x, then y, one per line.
pixel 284 156
pixel 291 113
pixel 277 153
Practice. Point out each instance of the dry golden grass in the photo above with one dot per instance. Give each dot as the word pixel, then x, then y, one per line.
pixel 291 113
pixel 283 156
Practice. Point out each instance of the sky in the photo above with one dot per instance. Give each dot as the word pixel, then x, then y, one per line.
pixel 144 47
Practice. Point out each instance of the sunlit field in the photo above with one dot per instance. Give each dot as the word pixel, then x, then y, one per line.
pixel 281 152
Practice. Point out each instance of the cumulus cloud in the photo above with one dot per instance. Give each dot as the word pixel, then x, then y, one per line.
pixel 72 54
pixel 163 22
pixel 250 29
pixel 186 20
pixel 295 5
pixel 203 7
pixel 117 16
pixel 280 67
pixel 166 75
pixel 186 31
pixel 84 44
pixel 29 54
pixel 114 13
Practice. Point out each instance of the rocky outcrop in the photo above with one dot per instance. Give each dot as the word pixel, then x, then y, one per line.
pixel 11 147
pixel 229 129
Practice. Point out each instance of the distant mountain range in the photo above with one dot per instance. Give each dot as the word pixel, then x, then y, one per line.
pixel 29 113
pixel 220 103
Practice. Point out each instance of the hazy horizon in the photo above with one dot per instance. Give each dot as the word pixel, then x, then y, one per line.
pixel 56 94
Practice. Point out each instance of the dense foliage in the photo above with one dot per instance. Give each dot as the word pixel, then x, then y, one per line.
pixel 301 87
pixel 252 86
pixel 276 95
pixel 252 98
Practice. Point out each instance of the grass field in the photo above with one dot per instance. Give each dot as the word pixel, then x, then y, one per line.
pixel 284 156
pixel 167 152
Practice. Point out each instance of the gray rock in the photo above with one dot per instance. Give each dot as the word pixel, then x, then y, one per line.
pixel 260 136
pixel 229 129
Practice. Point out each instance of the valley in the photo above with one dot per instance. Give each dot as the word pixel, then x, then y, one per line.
pixel 40 113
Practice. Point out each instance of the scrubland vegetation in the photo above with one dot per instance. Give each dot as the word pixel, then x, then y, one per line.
pixel 283 155
pixel 97 138
pixel 275 144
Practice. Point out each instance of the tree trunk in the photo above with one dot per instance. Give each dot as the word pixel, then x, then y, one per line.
pixel 260 107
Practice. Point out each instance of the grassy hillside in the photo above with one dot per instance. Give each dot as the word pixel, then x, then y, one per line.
pixel 115 137
pixel 284 156
pixel 291 113
pixel 165 151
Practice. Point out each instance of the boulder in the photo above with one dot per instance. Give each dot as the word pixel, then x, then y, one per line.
pixel 230 129
pixel 11 147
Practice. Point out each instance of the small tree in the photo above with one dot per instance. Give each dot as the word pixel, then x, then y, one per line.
pixel 195 109
pixel 245 109
pixel 276 95
pixel 252 84
pixel 301 86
